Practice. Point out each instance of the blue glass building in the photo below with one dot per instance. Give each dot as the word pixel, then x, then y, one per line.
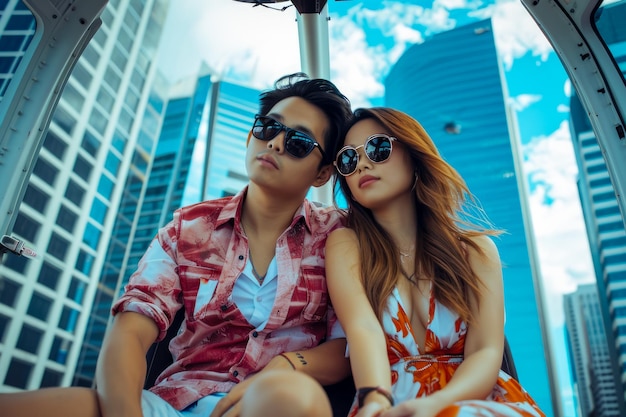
pixel 603 219
pixel 453 85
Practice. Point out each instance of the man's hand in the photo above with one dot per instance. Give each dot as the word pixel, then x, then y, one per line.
pixel 230 405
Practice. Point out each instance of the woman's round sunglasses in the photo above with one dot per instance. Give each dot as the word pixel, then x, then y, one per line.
pixel 297 144
pixel 377 148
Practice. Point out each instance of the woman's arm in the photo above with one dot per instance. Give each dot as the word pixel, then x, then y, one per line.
pixel 366 340
pixel 484 342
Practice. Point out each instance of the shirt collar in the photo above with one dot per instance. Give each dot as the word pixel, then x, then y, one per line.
pixel 232 211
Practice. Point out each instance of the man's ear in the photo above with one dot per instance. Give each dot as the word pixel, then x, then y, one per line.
pixel 323 175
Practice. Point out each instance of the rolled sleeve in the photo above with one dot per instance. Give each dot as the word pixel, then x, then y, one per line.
pixel 154 289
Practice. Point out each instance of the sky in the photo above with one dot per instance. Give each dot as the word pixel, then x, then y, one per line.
pixel 254 46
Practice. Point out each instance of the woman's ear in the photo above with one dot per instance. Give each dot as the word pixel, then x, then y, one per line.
pixel 323 175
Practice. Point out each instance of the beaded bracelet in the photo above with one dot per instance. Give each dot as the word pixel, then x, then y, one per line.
pixel 363 392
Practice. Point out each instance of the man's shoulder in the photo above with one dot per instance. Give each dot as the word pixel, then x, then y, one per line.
pixel 324 219
pixel 207 207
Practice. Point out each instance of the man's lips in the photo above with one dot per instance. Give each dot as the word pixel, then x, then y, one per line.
pixel 267 159
pixel 366 180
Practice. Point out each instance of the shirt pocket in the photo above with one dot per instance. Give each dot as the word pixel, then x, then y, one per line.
pixel 198 284
pixel 317 293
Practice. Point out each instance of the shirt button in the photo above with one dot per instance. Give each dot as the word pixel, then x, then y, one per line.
pixel 255 333
pixel 235 373
pixel 223 307
pixel 259 299
pixel 241 257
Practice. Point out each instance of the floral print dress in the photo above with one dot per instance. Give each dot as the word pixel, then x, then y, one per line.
pixel 416 374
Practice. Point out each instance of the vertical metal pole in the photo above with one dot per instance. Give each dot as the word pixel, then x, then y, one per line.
pixel 315 61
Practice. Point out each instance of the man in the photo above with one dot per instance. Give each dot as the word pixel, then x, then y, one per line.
pixel 249 272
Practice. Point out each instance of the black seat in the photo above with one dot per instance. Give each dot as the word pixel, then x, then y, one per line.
pixel 340 394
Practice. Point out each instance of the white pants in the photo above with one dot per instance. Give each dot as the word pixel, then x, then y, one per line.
pixel 154 406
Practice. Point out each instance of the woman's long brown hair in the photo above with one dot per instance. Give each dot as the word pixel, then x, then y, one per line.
pixel 445 225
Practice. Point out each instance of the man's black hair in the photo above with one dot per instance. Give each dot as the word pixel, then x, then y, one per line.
pixel 319 92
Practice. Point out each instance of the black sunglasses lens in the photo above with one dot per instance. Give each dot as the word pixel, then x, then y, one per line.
pixel 265 128
pixel 298 144
pixel 347 161
pixel 378 148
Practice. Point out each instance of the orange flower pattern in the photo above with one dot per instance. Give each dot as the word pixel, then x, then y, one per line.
pixel 419 373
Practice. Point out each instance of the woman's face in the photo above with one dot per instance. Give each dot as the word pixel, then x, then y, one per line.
pixel 373 184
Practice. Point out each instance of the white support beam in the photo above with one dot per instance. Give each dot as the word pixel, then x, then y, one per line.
pixel 63 30
pixel 315 61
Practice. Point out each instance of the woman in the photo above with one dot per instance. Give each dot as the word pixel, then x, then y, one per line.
pixel 414 259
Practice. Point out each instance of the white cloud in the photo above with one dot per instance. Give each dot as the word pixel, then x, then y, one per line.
pixel 523 101
pixel 254 45
pixel 516 32
pixel 562 108
pixel 560 234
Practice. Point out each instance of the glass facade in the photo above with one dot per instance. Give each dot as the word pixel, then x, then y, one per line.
pixel 603 219
pixel 17 29
pixel 452 84
pixel 47 304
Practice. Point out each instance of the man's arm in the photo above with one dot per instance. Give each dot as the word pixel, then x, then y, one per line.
pixel 121 368
pixel 326 363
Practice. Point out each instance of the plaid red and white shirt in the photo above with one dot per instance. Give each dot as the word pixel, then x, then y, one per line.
pixel 194 262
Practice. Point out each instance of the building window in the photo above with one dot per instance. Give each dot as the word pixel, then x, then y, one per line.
pixel 82 75
pixel 76 291
pixel 26 227
pixel 59 350
pixel 112 163
pixel 29 339
pixel 90 143
pixel 105 187
pixel 16 263
pixel 45 171
pixel 51 379
pixel 49 275
pixel 82 168
pixel 91 237
pixel 92 56
pixel 66 219
pixel 58 246
pixel 98 211
pixel 74 193
pixel 39 307
pixel 36 198
pixel 4 323
pixel 105 99
pixel 84 262
pixel 64 120
pixel 55 145
pixel 98 121
pixel 73 97
pixel 68 319
pixel 9 291
pixel 18 374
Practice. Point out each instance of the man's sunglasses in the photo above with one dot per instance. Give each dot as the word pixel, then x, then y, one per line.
pixel 297 144
pixel 377 148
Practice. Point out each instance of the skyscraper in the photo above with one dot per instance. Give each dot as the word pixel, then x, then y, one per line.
pixel 592 365
pixel 603 219
pixel 453 84
pixel 17 28
pixel 87 155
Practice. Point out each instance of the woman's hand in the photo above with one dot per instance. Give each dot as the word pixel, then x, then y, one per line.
pixel 419 407
pixel 372 409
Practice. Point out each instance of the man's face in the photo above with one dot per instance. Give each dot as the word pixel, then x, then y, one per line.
pixel 270 165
